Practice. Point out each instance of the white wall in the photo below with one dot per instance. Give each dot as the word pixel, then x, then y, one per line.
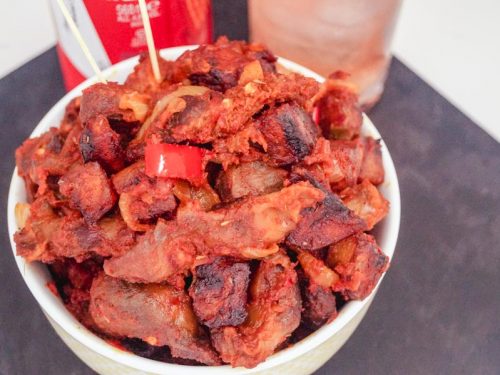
pixel 453 44
pixel 26 30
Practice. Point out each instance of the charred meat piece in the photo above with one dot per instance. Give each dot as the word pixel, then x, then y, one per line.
pixel 219 292
pixel 32 239
pixel 115 232
pixel 74 238
pixel 142 204
pixel 372 168
pixel 273 314
pixel 157 314
pixel 244 101
pixel 339 115
pixel 251 228
pixel 158 254
pixel 195 119
pixel 73 281
pixel 289 132
pixel 115 102
pixel 360 263
pixel 219 66
pixel 129 177
pixel 143 199
pixel 326 223
pixel 265 57
pixel 366 202
pixel 88 190
pixel 348 156
pixel 142 79
pixel 47 236
pixel 255 178
pixel 335 163
pixel 168 102
pixel 247 229
pixel 318 304
pixel 51 154
pixel 245 146
pixel 100 143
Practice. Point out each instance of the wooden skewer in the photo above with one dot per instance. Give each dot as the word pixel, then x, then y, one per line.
pixel 81 42
pixel 149 39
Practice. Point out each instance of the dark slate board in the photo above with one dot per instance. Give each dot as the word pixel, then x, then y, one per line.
pixel 437 310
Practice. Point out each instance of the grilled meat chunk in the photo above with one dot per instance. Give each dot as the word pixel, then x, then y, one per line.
pixel 372 168
pixel 169 103
pixel 219 66
pixel 244 101
pixel 100 143
pixel 142 204
pixel 143 199
pixel 273 314
pixel 129 177
pixel 255 178
pixel 47 236
pixel 318 303
pixel 32 240
pixel 74 238
pixel 159 253
pixel 157 314
pixel 115 102
pixel 339 115
pixel 247 229
pixel 336 164
pixel 366 202
pixel 142 79
pixel 348 156
pixel 289 132
pixel 195 119
pixel 219 292
pixel 88 190
pixel 326 223
pixel 49 155
pixel 245 146
pixel 359 262
pixel 72 281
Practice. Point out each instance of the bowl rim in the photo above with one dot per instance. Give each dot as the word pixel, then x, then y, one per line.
pixel 53 306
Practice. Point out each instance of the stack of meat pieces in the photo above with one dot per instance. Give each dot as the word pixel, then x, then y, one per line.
pixel 224 270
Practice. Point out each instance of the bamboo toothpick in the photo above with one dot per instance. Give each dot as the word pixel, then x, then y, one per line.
pixel 81 42
pixel 149 39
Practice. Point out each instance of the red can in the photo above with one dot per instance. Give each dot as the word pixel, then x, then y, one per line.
pixel 113 31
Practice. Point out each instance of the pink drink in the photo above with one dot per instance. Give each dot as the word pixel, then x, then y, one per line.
pixel 329 35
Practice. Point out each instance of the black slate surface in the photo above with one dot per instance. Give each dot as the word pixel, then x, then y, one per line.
pixel 437 311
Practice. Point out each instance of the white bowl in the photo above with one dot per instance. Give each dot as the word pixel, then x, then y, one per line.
pixel 301 358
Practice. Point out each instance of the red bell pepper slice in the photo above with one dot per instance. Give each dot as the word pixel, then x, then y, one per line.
pixel 174 161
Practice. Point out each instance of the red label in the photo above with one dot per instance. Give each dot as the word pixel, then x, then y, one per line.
pixel 173 23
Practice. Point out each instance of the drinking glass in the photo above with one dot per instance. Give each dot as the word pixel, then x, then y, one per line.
pixel 329 35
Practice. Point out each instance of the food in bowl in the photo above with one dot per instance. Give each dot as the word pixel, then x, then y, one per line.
pixel 214 217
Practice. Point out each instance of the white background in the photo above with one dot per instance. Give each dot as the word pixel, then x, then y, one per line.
pixel 453 44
